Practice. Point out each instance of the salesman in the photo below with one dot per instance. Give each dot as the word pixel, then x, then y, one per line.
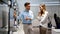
pixel 27 16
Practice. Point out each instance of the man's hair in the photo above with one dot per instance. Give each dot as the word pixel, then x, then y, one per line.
pixel 27 3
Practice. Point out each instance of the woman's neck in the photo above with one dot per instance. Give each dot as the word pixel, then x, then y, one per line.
pixel 42 13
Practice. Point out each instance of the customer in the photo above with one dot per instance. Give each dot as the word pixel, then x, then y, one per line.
pixel 43 19
pixel 43 14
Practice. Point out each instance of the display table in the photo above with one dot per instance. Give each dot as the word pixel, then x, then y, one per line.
pixel 55 31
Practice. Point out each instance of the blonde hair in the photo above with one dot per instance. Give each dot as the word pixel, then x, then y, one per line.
pixel 43 5
pixel 44 8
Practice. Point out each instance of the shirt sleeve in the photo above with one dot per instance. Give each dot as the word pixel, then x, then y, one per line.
pixel 32 16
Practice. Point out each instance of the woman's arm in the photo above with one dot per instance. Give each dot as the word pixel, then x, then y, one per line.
pixel 44 18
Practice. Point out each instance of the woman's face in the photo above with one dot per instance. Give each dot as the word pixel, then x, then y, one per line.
pixel 41 8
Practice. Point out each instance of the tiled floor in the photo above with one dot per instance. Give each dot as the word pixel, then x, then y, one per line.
pixel 20 30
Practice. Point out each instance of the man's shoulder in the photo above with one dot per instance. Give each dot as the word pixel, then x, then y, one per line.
pixel 30 11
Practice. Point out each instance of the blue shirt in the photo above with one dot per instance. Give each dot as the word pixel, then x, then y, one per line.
pixel 25 14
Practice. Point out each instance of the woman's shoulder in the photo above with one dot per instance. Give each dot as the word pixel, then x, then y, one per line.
pixel 46 12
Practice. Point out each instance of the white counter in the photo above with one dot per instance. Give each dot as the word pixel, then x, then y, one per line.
pixel 55 31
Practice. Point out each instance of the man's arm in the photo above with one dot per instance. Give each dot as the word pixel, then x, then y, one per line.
pixel 31 16
pixel 28 18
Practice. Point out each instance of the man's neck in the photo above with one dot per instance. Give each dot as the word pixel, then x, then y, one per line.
pixel 27 10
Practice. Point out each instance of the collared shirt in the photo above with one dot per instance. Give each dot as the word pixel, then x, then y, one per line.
pixel 25 14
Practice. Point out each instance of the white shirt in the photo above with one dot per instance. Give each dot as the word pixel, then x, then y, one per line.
pixel 43 19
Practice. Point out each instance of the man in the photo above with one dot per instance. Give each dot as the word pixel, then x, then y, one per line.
pixel 27 16
pixel 15 15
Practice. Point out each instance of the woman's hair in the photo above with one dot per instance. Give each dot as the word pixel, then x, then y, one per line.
pixel 44 7
pixel 41 11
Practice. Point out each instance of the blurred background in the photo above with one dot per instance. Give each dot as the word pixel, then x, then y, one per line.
pixel 52 6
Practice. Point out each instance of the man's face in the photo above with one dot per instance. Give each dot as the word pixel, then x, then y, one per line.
pixel 28 7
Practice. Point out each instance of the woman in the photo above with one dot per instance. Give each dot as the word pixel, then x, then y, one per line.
pixel 43 19
pixel 43 14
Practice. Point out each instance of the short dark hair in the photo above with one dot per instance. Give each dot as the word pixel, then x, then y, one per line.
pixel 27 3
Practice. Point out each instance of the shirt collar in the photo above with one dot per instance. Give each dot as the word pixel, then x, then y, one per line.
pixel 26 10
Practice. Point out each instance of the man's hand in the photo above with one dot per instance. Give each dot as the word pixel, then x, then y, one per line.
pixel 28 18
